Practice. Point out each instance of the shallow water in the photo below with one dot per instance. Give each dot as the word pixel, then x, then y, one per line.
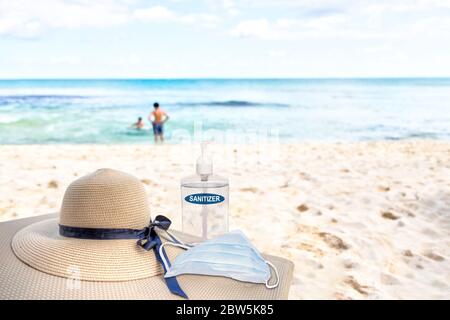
pixel 99 111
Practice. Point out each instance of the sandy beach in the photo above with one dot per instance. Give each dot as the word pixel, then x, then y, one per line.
pixel 363 220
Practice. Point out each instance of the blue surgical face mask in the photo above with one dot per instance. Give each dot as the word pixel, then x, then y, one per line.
pixel 231 255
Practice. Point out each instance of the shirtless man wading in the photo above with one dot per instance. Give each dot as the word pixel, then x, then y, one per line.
pixel 158 117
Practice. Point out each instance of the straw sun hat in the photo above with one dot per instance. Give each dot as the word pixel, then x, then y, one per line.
pixel 37 262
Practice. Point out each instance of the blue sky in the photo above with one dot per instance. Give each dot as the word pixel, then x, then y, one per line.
pixel 224 38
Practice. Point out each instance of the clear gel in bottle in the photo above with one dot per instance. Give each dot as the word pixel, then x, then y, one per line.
pixel 204 200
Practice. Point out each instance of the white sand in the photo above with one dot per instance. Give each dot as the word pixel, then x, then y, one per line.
pixel 360 220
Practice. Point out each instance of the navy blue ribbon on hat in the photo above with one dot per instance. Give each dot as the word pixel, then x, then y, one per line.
pixel 148 239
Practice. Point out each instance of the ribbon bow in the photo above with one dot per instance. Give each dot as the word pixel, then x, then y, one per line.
pixel 148 239
pixel 151 240
pixel 149 235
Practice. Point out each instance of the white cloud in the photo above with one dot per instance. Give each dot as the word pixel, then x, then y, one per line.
pixel 156 13
pixel 344 3
pixel 349 19
pixel 312 18
pixel 163 14
pixel 287 28
pixel 258 28
pixel 314 37
pixel 29 18
pixel 433 26
pixel 203 19
pixel 22 28
pixel 230 7
pixel 378 7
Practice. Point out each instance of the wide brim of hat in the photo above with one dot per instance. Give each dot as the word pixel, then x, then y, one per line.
pixel 19 280
pixel 42 247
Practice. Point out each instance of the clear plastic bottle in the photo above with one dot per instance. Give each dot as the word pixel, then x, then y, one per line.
pixel 204 200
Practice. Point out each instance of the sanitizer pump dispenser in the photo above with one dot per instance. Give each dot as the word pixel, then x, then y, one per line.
pixel 204 200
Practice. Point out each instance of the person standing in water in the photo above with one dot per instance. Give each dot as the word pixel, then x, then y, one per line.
pixel 158 117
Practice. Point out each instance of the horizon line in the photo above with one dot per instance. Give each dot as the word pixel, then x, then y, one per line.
pixel 223 78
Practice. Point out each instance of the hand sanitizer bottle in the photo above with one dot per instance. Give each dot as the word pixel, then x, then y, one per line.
pixel 204 200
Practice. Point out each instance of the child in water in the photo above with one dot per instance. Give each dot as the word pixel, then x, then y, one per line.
pixel 138 125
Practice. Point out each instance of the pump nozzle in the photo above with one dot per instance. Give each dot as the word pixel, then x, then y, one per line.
pixel 204 164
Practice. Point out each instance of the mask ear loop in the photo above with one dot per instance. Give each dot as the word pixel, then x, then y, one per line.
pixel 166 264
pixel 271 286
pixel 173 238
pixel 182 245
pixel 176 240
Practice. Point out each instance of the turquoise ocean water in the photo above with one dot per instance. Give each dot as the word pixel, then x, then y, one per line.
pixel 99 111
